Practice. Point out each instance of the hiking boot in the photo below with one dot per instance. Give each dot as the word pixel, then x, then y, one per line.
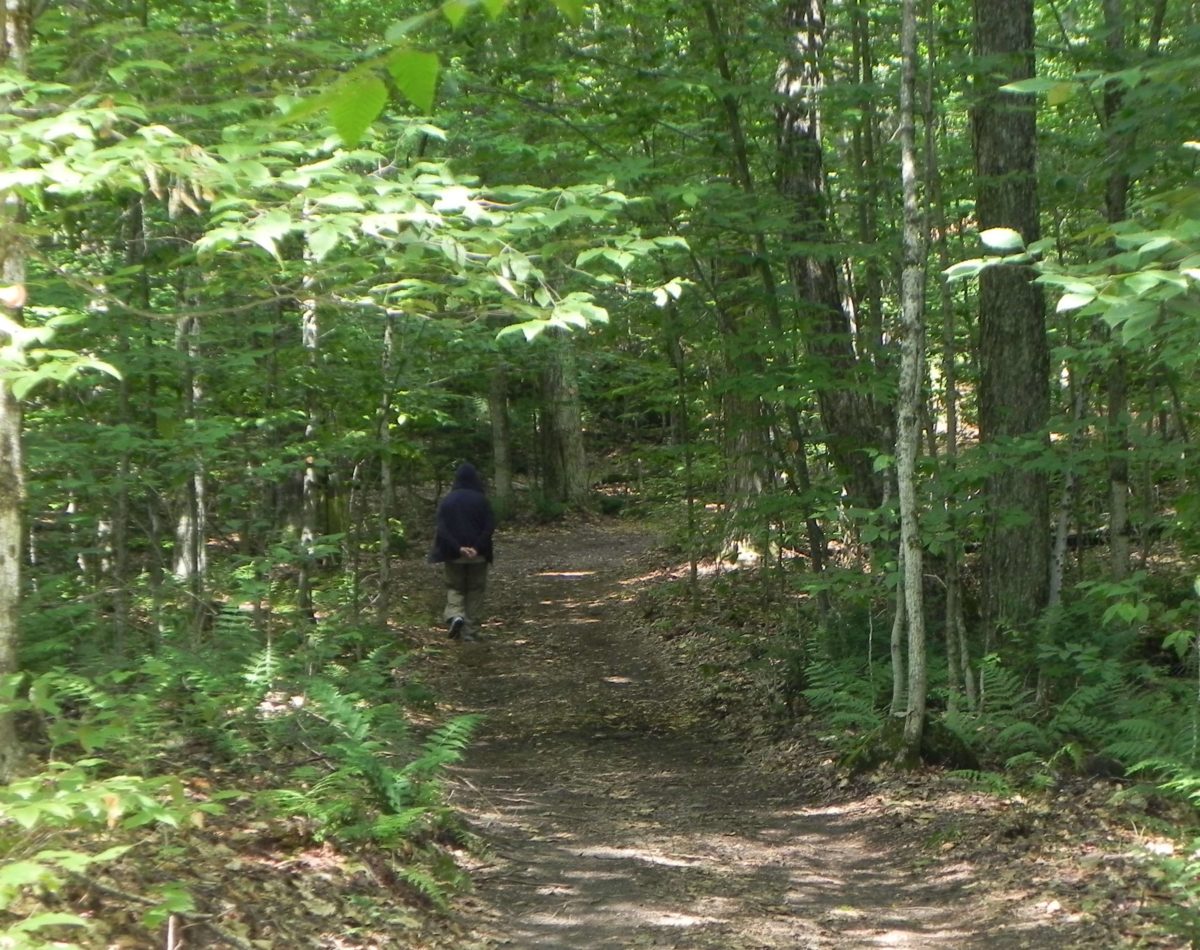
pixel 458 626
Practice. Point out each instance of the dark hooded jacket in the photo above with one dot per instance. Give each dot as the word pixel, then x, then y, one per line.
pixel 464 518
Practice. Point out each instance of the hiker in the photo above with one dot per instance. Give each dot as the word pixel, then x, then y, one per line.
pixel 463 543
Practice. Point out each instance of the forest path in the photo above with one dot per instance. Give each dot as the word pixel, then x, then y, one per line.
pixel 616 817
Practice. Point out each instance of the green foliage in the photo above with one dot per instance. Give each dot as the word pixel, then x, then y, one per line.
pixel 843 696
pixel 1180 872
pixel 61 805
pixel 370 784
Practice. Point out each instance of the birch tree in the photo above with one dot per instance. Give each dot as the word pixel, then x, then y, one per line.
pixel 911 395
pixel 14 45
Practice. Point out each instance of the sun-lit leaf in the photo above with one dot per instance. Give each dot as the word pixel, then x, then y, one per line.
pixel 268 229
pixel 1073 301
pixel 1002 239
pixel 415 74
pixel 355 105
pixel 964 269
pixel 455 10
pixel 321 241
pixel 571 9
pixel 401 29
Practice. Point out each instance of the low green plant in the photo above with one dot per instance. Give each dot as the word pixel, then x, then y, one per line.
pixel 53 807
pixel 843 697
pixel 370 783
pixel 1180 873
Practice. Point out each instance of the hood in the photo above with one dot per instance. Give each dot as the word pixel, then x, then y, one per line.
pixel 468 477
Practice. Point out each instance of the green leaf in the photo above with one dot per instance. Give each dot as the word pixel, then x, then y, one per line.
pixel 51 919
pixel 1002 239
pixel 415 74
pixel 494 7
pixel 354 106
pixel 397 31
pixel 1074 301
pixel 571 9
pixel 1067 283
pixel 455 10
pixel 321 241
pixel 1056 90
pixel 964 269
pixel 268 229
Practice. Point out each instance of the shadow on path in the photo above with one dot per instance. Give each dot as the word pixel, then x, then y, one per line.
pixel 616 817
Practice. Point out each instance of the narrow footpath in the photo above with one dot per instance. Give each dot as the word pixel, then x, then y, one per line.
pixel 616 817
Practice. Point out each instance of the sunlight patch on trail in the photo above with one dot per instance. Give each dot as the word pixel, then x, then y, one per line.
pixel 637 854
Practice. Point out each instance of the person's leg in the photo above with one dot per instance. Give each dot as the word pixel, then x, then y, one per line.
pixel 456 591
pixel 475 588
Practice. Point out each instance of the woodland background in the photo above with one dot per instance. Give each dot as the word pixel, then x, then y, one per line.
pixel 892 307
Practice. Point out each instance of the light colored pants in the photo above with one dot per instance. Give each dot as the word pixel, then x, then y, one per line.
pixel 466 584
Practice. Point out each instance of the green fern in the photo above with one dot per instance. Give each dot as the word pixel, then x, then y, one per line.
pixel 843 696
pixel 994 782
pixel 424 884
pixel 262 668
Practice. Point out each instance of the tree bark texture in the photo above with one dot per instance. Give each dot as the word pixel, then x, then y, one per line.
pixel 911 397
pixel 1014 355
pixel 15 29
pixel 387 491
pixel 846 408
pixel 564 458
pixel 502 471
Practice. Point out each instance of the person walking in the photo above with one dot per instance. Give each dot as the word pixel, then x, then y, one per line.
pixel 463 544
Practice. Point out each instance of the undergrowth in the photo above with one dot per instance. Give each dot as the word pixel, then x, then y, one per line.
pixel 1107 688
pixel 310 732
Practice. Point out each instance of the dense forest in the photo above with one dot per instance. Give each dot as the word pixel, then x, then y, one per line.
pixel 888 309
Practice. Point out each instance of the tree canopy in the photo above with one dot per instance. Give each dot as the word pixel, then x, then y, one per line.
pixel 794 278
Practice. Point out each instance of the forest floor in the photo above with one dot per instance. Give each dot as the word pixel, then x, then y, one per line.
pixel 615 811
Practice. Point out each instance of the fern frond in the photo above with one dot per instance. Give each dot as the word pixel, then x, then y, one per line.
pixel 994 782
pixel 424 884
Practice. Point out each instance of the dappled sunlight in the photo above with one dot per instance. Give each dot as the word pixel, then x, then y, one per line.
pixel 640 854
pixel 617 817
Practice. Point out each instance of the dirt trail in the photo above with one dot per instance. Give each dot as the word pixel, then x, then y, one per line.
pixel 617 818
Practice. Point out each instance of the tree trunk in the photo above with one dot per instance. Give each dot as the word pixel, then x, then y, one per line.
pixel 502 473
pixel 191 523
pixel 899 704
pixel 846 408
pixel 865 135
pixel 911 396
pixel 958 672
pixel 387 490
pixel 565 461
pixel 15 29
pixel 1116 195
pixel 310 504
pixel 1013 353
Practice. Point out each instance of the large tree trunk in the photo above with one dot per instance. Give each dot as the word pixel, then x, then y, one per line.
pixel 565 461
pixel 502 473
pixel 1014 356
pixel 15 29
pixel 846 409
